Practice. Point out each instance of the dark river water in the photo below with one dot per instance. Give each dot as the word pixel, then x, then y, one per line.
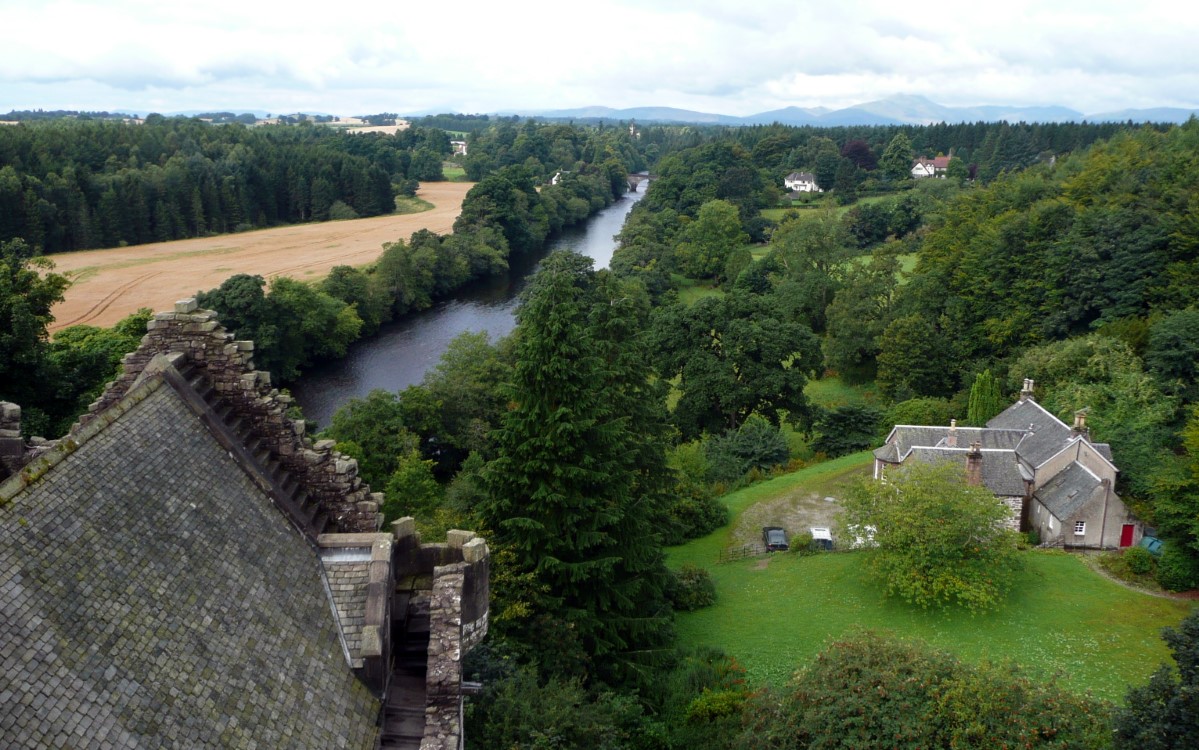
pixel 402 351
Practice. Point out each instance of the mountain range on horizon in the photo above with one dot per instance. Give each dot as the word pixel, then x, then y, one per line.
pixel 901 109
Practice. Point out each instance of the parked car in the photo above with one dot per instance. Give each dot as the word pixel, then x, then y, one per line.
pixel 822 538
pixel 775 538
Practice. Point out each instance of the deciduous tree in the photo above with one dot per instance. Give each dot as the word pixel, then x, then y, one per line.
pixel 939 541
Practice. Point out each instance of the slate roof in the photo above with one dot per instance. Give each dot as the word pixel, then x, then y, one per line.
pixel 1000 472
pixel 1047 435
pixel 150 596
pixel 1069 490
pixel 905 437
pixel 347 581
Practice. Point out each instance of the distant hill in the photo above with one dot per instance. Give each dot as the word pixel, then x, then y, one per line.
pixel 902 109
pixel 1155 114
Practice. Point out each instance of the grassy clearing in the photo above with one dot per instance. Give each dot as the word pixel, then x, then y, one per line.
pixel 775 613
pixel 453 172
pixel 411 204
pixel 693 290
pixel 831 392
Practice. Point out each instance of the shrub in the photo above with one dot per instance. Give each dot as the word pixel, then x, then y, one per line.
pixel 1177 570
pixel 871 691
pixel 1138 560
pixel 715 704
pixel 801 544
pixel 340 211
pixel 692 588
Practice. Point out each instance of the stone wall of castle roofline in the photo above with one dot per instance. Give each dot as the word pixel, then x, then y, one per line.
pixel 324 473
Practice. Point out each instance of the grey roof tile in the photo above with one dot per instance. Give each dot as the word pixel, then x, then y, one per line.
pixel 1068 491
pixel 1000 472
pixel 154 597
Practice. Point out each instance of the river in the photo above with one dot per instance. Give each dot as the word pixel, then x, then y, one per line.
pixel 400 354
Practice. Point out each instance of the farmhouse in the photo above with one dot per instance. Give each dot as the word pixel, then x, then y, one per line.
pixel 801 182
pixel 187 568
pixel 935 167
pixel 1052 477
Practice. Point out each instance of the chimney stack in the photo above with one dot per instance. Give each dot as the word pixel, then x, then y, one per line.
pixel 951 440
pixel 974 464
pixel 1026 392
pixel 1080 423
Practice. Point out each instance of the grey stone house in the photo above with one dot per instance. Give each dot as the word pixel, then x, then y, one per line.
pixel 1054 479
pixel 187 569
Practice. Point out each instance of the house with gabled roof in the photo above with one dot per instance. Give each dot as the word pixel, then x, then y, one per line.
pixel 937 166
pixel 186 568
pixel 1053 478
pixel 801 182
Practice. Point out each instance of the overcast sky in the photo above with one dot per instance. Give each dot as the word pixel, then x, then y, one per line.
pixel 360 56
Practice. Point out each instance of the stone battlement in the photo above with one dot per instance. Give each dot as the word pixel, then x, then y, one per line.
pixel 323 472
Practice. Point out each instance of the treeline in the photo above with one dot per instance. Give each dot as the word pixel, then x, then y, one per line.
pixel 847 158
pixel 463 123
pixel 508 212
pixel 74 185
pixel 22 115
pixel 546 149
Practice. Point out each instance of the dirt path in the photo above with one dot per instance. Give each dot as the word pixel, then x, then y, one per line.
pixel 110 284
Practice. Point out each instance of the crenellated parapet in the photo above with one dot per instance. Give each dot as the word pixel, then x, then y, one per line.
pixel 227 367
pixel 459 573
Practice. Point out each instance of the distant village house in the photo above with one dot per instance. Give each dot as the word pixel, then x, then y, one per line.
pixel 801 182
pixel 936 167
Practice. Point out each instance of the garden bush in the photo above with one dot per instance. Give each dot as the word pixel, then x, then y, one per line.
pixel 1176 570
pixel 1139 561
pixel 692 588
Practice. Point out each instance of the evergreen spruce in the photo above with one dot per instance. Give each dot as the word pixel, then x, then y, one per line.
pixel 580 470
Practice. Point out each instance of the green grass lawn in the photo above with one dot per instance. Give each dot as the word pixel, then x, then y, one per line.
pixel 453 172
pixel 831 392
pixel 693 290
pixel 775 613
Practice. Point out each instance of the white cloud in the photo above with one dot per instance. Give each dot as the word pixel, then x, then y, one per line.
pixel 479 55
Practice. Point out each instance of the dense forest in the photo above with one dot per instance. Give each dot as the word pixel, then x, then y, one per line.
pixel 512 210
pixel 76 184
pixel 628 400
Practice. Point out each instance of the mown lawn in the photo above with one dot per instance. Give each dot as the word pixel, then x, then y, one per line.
pixel 453 172
pixel 775 613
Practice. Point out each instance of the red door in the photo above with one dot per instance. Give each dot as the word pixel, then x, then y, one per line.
pixel 1126 535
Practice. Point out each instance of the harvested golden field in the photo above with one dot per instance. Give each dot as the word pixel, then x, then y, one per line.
pixel 108 285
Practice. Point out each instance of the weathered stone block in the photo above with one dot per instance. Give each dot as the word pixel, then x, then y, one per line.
pixel 187 305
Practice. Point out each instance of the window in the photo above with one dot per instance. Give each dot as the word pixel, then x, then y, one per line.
pixel 1080 528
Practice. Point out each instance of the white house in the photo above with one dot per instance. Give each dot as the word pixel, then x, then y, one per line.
pixel 801 182
pixel 935 167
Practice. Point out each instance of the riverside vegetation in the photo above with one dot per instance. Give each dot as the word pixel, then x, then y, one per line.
pixel 613 419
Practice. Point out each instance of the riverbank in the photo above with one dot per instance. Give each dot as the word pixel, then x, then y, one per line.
pixel 405 349
pixel 107 285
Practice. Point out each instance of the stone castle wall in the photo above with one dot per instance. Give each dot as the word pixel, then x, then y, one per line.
pixel 324 473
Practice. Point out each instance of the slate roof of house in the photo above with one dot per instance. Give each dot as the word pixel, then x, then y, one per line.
pixel 905 437
pixel 1068 490
pixel 151 596
pixel 801 177
pixel 1000 472
pixel 1046 434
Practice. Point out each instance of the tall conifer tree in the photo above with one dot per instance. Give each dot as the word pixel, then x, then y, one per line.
pixel 580 471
